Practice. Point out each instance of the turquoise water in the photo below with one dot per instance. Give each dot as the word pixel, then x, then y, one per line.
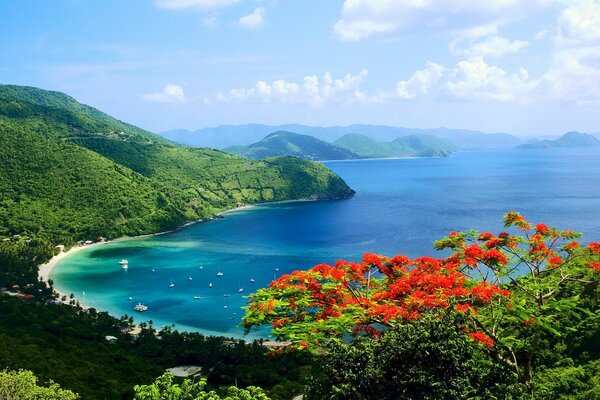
pixel 401 206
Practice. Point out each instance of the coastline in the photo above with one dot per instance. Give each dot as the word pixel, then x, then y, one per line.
pixel 44 270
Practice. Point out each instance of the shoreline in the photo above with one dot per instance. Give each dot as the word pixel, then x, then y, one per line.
pixel 44 270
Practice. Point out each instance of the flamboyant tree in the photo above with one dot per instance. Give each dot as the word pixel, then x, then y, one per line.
pixel 512 288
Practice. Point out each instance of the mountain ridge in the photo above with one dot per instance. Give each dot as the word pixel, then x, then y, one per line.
pixel 229 135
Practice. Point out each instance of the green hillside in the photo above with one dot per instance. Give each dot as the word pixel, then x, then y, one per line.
pixel 283 143
pixel 70 172
pixel 406 146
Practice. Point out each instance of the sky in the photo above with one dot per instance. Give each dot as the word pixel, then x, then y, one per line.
pixel 527 67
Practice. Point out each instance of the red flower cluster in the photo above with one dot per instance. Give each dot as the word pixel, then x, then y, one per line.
pixel 482 338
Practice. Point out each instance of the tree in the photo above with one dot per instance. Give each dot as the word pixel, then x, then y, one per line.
pixel 165 388
pixel 22 385
pixel 429 359
pixel 512 288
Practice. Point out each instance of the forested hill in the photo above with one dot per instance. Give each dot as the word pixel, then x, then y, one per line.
pixel 289 143
pixel 70 172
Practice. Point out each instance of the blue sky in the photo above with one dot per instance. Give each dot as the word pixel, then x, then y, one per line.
pixel 528 67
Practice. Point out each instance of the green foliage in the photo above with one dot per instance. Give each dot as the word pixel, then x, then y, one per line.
pixel 70 173
pixel 430 360
pixel 165 388
pixel 23 385
pixel 67 345
pixel 283 143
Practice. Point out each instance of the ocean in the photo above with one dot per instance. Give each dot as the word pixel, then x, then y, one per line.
pixel 401 207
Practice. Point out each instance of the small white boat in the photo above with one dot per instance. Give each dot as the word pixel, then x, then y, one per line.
pixel 226 295
pixel 196 297
pixel 130 298
pixel 123 262
pixel 240 290
pixel 171 285
pixel 276 269
pixel 252 280
pixel 210 284
pixel 219 273
pixel 190 278
pixel 140 307
pixel 201 267
pixel 225 306
pixel 153 270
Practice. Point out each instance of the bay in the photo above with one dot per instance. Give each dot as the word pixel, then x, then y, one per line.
pixel 401 207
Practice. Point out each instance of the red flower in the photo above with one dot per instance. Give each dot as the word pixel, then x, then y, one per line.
pixel 542 229
pixel 595 265
pixel 594 247
pixel 485 236
pixel 481 337
pixel 372 259
pixel 554 261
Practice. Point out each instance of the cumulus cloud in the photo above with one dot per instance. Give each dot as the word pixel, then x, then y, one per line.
pixel 183 4
pixel 310 91
pixel 575 70
pixel 169 94
pixel 420 83
pixel 492 46
pixel 253 21
pixel 474 79
pixel 363 18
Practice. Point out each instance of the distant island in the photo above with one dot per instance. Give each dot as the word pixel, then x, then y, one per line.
pixel 348 147
pixel 569 139
pixel 224 136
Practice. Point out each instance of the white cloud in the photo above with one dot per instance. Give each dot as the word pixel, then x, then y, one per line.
pixel 182 4
pixel 363 18
pixel 253 21
pixel 474 79
pixel 492 46
pixel 310 91
pixel 574 74
pixel 420 83
pixel 170 94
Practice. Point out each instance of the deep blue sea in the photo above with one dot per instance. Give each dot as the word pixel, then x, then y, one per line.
pixel 401 206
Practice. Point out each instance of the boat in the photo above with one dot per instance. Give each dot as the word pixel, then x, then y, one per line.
pixel 190 278
pixel 219 273
pixel 240 290
pixel 171 285
pixel 196 297
pixel 123 262
pixel 140 307
pixel 210 284
pixel 225 306
pixel 201 267
pixel 130 298
pixel 252 280
pixel 226 295
pixel 124 266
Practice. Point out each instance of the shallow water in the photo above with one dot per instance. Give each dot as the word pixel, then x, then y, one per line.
pixel 401 206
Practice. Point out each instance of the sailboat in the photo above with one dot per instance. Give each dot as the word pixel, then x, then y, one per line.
pixel 171 285
pixel 219 273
